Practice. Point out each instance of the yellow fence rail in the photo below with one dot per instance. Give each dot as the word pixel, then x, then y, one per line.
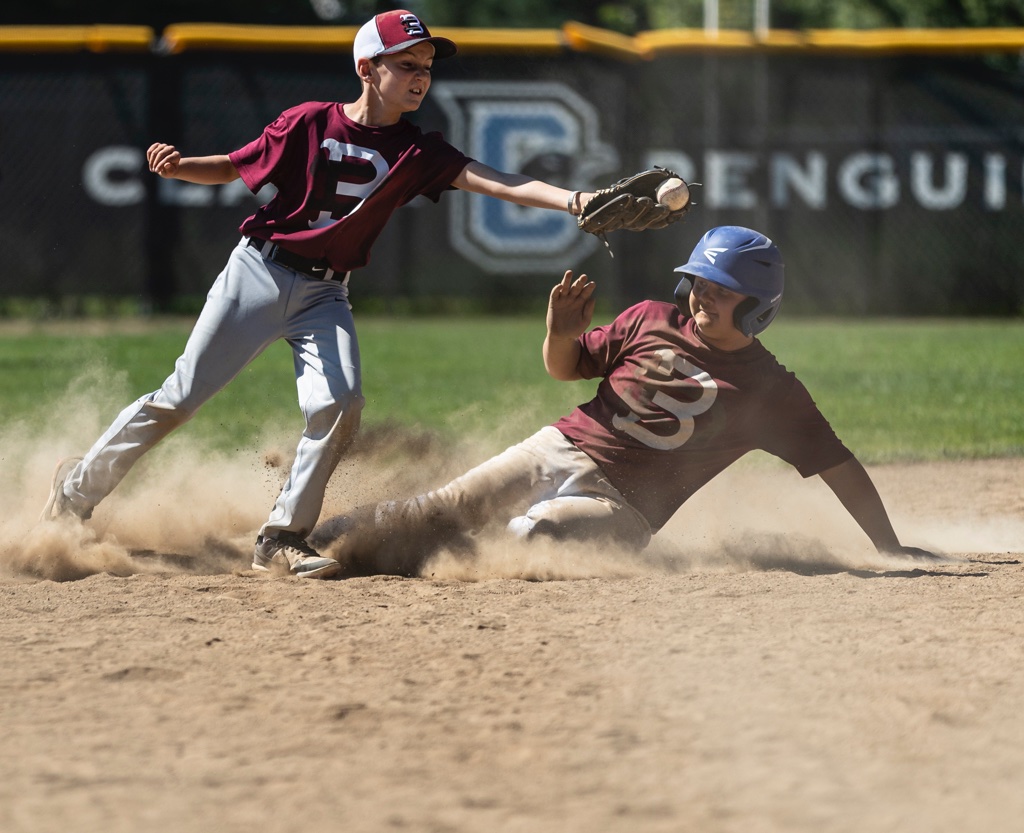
pixel 76 38
pixel 572 36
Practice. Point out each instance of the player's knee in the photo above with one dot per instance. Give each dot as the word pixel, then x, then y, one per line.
pixel 166 412
pixel 553 521
pixel 526 528
pixel 338 417
pixel 520 527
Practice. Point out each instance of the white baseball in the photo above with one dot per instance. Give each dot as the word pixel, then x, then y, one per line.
pixel 673 193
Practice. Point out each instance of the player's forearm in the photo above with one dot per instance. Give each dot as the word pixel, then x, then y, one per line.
pixel 852 485
pixel 206 170
pixel 561 358
pixel 523 190
pixel 517 188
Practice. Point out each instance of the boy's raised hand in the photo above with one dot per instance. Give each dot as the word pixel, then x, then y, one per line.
pixel 570 307
pixel 163 159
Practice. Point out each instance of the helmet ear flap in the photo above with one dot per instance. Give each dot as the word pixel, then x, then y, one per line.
pixel 743 309
pixel 683 295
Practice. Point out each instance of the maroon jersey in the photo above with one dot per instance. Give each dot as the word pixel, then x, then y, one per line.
pixel 338 182
pixel 672 412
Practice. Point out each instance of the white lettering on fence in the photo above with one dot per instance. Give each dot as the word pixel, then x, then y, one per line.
pixel 869 181
pixel 865 180
pixel 115 176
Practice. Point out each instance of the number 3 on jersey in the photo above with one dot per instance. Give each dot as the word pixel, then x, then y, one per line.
pixel 684 412
pixel 345 173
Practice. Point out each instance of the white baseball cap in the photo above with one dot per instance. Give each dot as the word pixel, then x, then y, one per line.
pixel 396 31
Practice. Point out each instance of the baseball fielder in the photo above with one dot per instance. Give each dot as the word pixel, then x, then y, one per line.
pixel 686 389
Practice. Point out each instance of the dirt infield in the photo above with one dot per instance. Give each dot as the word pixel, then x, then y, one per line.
pixel 759 669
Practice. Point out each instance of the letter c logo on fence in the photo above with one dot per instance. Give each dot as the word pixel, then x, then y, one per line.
pixel 112 175
pixel 541 129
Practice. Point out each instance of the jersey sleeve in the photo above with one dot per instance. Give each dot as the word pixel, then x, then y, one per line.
pixel 797 432
pixel 603 346
pixel 259 161
pixel 445 163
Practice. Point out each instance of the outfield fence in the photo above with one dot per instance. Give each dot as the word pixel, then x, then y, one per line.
pixel 889 166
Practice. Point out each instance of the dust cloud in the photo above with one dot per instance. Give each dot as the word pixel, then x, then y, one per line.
pixel 190 509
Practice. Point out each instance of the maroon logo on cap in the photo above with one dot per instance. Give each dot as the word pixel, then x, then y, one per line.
pixel 412 24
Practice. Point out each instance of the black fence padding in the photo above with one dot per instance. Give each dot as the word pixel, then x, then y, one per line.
pixel 892 184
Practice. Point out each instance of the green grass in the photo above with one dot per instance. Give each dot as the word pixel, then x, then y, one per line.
pixel 913 390
pixel 893 389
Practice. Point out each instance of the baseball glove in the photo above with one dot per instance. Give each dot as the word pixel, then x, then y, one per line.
pixel 630 204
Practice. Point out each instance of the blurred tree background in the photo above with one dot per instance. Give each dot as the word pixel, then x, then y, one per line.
pixel 627 16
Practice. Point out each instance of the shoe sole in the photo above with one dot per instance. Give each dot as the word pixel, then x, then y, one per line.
pixel 60 474
pixel 326 571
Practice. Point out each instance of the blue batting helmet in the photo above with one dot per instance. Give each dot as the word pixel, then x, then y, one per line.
pixel 744 261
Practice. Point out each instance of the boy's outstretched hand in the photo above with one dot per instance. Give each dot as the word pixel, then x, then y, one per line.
pixel 570 307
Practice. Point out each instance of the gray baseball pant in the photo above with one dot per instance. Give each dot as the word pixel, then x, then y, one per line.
pixel 252 303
